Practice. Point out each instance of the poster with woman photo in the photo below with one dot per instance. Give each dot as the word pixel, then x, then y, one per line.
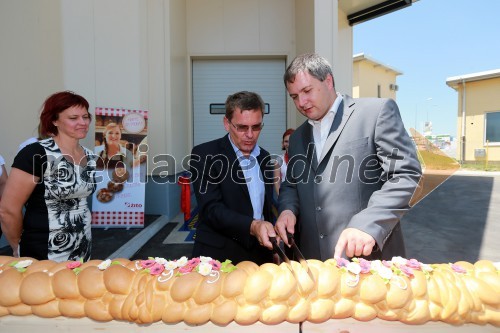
pixel 120 146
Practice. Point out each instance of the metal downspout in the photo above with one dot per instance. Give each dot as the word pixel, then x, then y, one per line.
pixel 463 122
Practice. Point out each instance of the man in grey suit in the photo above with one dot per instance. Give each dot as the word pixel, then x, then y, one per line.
pixel 352 170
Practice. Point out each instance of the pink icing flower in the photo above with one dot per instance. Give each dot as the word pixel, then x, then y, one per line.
pixel 186 269
pixel 156 269
pixel 194 262
pixel 215 265
pixel 406 270
pixel 458 269
pixel 190 266
pixel 73 264
pixel 365 265
pixel 386 263
pixel 147 263
pixel 414 263
pixel 341 262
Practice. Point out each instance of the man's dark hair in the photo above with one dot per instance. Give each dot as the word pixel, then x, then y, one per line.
pixel 244 100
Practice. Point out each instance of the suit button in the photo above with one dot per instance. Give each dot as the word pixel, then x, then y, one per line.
pixel 321 236
pixel 318 208
pixel 318 179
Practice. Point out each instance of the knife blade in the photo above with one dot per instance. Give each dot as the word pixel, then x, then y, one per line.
pixel 302 260
pixel 285 259
pixel 280 252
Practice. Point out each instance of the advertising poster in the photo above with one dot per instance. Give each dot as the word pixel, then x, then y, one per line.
pixel 121 148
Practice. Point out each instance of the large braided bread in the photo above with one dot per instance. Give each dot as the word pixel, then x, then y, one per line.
pixel 200 290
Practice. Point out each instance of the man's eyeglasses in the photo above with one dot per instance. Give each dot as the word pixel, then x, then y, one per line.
pixel 245 128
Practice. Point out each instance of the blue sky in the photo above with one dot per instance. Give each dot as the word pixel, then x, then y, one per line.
pixel 429 42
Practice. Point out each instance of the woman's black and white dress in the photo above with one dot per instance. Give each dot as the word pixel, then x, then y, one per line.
pixel 57 221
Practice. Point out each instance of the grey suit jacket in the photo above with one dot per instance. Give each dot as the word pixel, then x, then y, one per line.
pixel 366 176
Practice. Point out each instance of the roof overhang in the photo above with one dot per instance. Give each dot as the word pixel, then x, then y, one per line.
pixel 375 63
pixel 359 11
pixel 455 81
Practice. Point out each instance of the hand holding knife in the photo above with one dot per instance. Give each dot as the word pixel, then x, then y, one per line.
pixel 300 257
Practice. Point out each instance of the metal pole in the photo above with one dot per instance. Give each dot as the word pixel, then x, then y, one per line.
pixel 462 154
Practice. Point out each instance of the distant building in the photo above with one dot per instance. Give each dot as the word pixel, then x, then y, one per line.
pixel 371 78
pixel 478 125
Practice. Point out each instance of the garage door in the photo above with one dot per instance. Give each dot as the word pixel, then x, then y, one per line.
pixel 214 80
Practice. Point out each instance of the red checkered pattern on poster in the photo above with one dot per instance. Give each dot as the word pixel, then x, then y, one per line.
pixel 118 219
pixel 118 112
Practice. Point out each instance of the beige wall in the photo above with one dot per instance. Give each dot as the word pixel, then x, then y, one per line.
pixel 31 64
pixel 342 67
pixel 126 59
pixel 239 27
pixel 481 97
pixel 250 29
pixel 137 55
pixel 177 129
pixel 320 26
pixel 367 76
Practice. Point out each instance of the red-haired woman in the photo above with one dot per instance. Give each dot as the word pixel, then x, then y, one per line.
pixel 280 171
pixel 53 178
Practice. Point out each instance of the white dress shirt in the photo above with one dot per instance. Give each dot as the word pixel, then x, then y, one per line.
pixel 321 128
pixel 253 178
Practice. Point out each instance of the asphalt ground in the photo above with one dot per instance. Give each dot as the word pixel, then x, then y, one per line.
pixel 460 220
pixel 135 243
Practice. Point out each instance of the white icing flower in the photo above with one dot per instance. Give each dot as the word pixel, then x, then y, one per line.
pixel 161 261
pixel 204 268
pixel 399 261
pixel 354 268
pixel 384 272
pixel 170 265
pixel 426 268
pixel 105 264
pixel 375 265
pixel 205 259
pixel 23 263
pixel 181 262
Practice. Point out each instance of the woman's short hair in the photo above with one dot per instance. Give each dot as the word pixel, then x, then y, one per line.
pixel 287 132
pixel 55 104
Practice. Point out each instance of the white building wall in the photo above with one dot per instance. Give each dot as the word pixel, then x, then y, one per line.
pixel 240 27
pixel 342 67
pixel 31 68
pixel 137 54
pixel 178 122
pixel 105 54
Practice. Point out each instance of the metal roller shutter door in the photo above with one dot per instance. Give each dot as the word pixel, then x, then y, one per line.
pixel 214 80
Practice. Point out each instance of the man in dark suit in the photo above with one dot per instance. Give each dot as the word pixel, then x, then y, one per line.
pixel 352 169
pixel 233 183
